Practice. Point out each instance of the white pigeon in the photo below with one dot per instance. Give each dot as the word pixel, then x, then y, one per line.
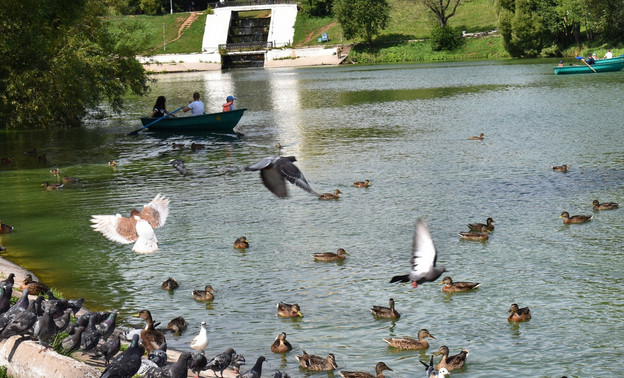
pixel 424 257
pixel 200 341
pixel 275 170
pixel 138 228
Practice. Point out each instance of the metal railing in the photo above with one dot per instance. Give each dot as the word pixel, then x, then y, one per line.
pixel 245 46
pixel 219 4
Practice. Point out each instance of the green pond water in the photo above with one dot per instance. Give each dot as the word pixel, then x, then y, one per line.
pixel 403 127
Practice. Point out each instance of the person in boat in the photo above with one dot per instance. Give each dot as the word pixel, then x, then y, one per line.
pixel 608 55
pixel 160 109
pixel 560 63
pixel 196 107
pixel 591 59
pixel 229 105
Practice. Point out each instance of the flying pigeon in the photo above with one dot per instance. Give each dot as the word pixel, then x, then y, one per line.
pixel 275 170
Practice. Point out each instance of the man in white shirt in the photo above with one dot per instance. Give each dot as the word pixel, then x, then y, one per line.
pixel 608 55
pixel 196 107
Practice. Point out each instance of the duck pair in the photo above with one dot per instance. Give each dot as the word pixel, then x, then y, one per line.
pixel 478 231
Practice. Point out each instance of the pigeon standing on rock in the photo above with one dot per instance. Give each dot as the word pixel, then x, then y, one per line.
pixel 72 342
pixel 220 362
pixel 108 350
pixel 128 363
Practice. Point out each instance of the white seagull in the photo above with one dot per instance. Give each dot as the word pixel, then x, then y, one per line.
pixel 200 341
pixel 138 228
pixel 275 170
pixel 424 257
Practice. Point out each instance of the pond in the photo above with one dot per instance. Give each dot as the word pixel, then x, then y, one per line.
pixel 406 129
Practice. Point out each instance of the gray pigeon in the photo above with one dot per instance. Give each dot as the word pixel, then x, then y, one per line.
pixel 20 323
pixel 279 374
pixel 5 298
pixel 275 170
pixel 220 362
pixel 179 165
pixel 159 356
pixel 63 322
pixel 18 307
pixel 90 335
pixel 108 350
pixel 107 327
pixel 72 342
pixel 45 330
pixel 127 363
pixel 9 281
pixel 424 258
pixel 199 363
pixel 256 370
pixel 178 370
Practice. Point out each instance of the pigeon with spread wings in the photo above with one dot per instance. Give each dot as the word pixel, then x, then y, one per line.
pixel 138 228
pixel 424 257
pixel 275 170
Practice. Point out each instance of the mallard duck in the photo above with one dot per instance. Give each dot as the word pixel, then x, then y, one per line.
pixel 197 146
pixel 112 163
pixel 340 254
pixel 275 170
pixel 386 312
pixel 200 341
pixel 178 146
pixel 379 368
pixel 55 171
pixel 138 228
pixel 432 372
pixel 286 310
pixel 54 186
pixel 278 145
pixel 605 205
pixel 241 243
pixel 34 287
pixel 480 137
pixel 450 362
pixel 567 219
pixel 177 325
pixel 5 228
pixel 69 180
pixel 312 362
pixel 362 184
pixel 423 260
pixel 151 337
pixel 281 345
pixel 479 226
pixel 169 284
pixel 473 235
pixel 410 343
pixel 560 168
pixel 330 196
pixel 204 295
pixel 518 314
pixel 450 286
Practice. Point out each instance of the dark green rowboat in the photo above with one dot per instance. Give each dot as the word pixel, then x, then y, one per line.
pixel 223 122
pixel 602 65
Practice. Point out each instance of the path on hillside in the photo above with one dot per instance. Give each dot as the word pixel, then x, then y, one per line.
pixel 317 32
pixel 185 25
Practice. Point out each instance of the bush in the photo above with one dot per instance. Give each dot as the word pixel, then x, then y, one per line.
pixel 445 38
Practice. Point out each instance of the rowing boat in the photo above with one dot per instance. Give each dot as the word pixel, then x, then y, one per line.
pixel 222 122
pixel 603 65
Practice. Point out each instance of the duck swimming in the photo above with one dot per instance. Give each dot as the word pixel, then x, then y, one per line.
pixel 55 171
pixel 341 254
pixel 479 226
pixel 138 228
pixel 560 168
pixel 151 337
pixel 410 343
pixel 330 196
pixel 518 314
pixel 281 345
pixel 480 137
pixel 362 184
pixel 567 219
pixel 379 368
pixel 241 243
pixel 34 287
pixel 451 362
pixel 5 228
pixel 204 295
pixel 473 235
pixel 605 205
pixel 450 286
pixel 69 180
pixel 177 325
pixel 312 362
pixel 286 310
pixel 386 312
pixel 54 186
pixel 169 284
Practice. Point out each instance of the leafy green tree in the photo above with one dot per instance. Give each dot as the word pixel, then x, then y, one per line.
pixel 445 38
pixel 58 60
pixel 316 8
pixel 362 18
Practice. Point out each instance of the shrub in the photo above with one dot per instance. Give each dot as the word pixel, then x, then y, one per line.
pixel 445 38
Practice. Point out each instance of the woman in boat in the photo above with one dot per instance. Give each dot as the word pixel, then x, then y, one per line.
pixel 159 108
pixel 229 105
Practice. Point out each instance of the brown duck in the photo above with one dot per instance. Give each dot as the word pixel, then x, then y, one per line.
pixel 479 226
pixel 379 368
pixel 410 343
pixel 151 337
pixel 5 228
pixel 560 168
pixel 605 205
pixel 286 310
pixel 450 286
pixel 341 254
pixel 169 284
pixel 480 137
pixel 330 196
pixel 386 312
pixel 567 219
pixel 475 235
pixel 241 243
pixel 518 314
pixel 54 186
pixel 204 295
pixel 362 184
pixel 450 362
pixel 312 362
pixel 281 345
pixel 34 287
pixel 177 325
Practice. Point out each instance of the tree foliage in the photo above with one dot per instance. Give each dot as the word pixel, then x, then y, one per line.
pixel 441 9
pixel 362 18
pixel 58 60
pixel 445 38
pixel 316 8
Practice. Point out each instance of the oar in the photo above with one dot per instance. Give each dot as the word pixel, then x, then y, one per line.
pixel 592 68
pixel 153 122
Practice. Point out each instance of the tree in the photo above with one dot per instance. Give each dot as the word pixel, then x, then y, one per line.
pixel 59 60
pixel 362 18
pixel 440 9
pixel 316 8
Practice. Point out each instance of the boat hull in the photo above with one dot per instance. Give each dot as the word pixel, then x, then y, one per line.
pixel 223 122
pixel 604 65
